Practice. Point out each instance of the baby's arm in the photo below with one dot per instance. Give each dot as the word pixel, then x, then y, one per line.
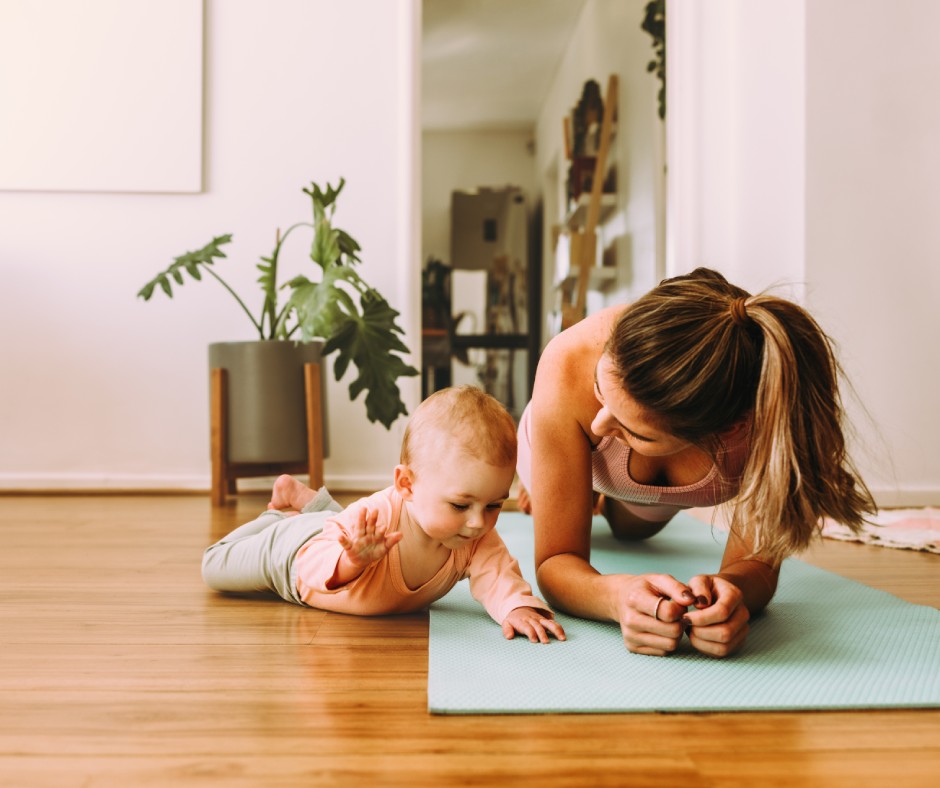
pixel 497 583
pixel 534 624
pixel 366 544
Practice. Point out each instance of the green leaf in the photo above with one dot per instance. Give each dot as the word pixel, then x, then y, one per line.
pixel 189 263
pixel 362 331
pixel 268 282
pixel 348 246
pixel 368 340
pixel 325 249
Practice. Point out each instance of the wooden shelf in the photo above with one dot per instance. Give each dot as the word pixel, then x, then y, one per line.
pixel 599 278
pixel 578 215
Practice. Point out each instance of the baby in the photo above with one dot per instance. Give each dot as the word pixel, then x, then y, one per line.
pixel 400 549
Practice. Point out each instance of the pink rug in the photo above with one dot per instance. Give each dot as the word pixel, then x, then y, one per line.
pixel 906 529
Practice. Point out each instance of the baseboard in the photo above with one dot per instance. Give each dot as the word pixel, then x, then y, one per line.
pixel 906 498
pixel 137 483
pixel 91 482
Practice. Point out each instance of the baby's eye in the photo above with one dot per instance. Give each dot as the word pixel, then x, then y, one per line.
pixel 460 507
pixel 495 506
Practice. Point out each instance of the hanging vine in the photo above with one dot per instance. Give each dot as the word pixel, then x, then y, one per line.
pixel 654 23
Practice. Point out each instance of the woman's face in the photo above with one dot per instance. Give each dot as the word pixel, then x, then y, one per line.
pixel 621 417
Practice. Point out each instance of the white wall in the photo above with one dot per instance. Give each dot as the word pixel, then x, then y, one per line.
pixel 802 149
pixel 102 390
pixel 608 40
pixel 873 235
pixel 736 149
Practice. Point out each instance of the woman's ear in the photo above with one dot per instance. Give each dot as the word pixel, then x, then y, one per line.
pixel 404 480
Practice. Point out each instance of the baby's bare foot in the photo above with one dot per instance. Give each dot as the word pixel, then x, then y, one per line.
pixel 290 493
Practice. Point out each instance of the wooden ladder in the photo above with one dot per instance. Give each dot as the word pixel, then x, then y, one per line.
pixel 583 248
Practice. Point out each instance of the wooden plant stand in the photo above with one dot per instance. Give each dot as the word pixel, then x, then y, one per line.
pixel 225 474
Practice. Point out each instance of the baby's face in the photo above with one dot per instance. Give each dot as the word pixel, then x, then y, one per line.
pixel 456 498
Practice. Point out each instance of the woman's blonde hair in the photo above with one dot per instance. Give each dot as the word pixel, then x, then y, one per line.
pixel 462 416
pixel 702 356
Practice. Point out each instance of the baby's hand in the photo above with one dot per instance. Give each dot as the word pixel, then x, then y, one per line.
pixel 534 624
pixel 368 542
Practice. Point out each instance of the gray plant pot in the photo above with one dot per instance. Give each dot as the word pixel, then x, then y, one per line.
pixel 266 399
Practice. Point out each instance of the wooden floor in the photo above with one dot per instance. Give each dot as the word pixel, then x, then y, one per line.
pixel 119 668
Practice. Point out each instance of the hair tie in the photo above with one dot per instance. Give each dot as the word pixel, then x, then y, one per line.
pixel 739 315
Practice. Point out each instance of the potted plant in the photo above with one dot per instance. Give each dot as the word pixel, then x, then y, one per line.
pixel 298 322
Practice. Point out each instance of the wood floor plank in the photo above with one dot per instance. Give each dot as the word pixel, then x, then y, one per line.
pixel 313 767
pixel 874 768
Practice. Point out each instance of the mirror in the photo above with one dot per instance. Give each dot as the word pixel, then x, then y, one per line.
pixel 507 179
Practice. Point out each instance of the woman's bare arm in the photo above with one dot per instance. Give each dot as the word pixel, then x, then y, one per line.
pixel 757 579
pixel 562 409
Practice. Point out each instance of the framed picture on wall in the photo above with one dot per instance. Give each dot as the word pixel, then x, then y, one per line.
pixel 101 95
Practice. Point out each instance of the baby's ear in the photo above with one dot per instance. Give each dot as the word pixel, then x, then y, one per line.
pixel 404 480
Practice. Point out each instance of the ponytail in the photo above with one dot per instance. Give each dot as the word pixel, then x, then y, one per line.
pixel 798 470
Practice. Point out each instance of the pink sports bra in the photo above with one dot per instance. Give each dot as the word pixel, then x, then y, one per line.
pixel 610 468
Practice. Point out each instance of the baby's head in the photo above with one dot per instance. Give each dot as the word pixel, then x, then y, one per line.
pixel 458 459
pixel 460 417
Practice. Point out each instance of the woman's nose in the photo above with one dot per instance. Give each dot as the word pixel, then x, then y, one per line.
pixel 601 422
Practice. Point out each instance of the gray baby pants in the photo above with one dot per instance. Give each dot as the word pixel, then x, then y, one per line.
pixel 259 556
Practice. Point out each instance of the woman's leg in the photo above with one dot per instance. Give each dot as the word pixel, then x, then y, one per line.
pixel 628 525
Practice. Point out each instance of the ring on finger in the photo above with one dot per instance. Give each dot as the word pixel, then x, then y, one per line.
pixel 656 609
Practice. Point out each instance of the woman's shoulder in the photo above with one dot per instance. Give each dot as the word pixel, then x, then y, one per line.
pixel 584 340
pixel 564 380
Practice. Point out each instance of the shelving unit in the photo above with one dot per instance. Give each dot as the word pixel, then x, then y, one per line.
pixel 577 218
pixel 599 278
pixel 581 225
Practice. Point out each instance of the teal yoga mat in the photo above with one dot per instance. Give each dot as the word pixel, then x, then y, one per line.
pixel 824 642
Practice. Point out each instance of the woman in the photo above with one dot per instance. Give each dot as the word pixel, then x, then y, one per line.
pixel 697 394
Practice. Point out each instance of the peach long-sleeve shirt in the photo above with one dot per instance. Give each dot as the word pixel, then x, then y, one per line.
pixel 495 579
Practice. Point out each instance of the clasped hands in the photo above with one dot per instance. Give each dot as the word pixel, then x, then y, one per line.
pixel 655 611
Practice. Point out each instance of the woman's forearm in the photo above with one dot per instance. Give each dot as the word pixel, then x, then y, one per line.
pixel 756 579
pixel 571 584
